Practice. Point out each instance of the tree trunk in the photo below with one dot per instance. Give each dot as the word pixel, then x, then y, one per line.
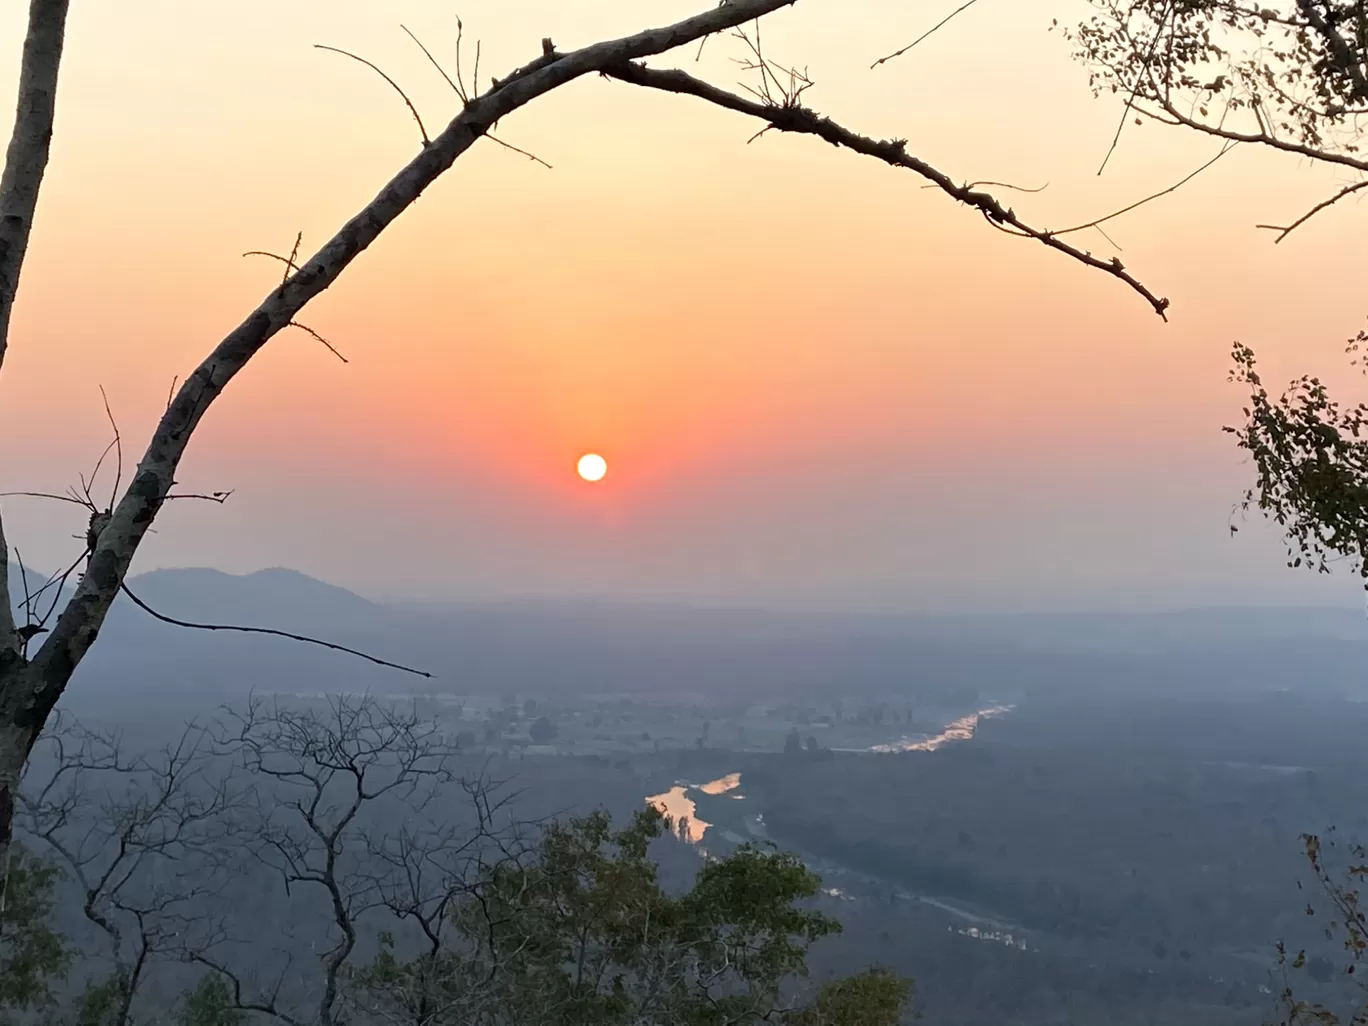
pixel 15 745
pixel 27 157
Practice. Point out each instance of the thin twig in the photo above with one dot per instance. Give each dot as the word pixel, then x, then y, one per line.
pixel 320 338
pixel 433 61
pixel 294 256
pixel 49 495
pixel 57 583
pixel 1135 91
pixel 1110 241
pixel 1006 185
pixel 1285 230
pixel 219 497
pixel 395 85
pixel 118 451
pixel 460 76
pixel 931 31
pixel 509 146
pixel 86 485
pixel 287 261
pixel 266 630
pixel 1140 203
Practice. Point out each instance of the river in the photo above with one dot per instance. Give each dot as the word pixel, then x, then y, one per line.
pixel 683 811
pixel 676 803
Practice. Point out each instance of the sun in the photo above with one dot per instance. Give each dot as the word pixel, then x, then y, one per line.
pixel 592 466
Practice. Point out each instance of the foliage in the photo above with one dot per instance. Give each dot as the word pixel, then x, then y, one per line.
pixel 210 1003
pixel 583 934
pixel 1339 870
pixel 32 955
pixel 870 998
pixel 104 1002
pixel 1311 460
pixel 1290 75
pixel 1295 70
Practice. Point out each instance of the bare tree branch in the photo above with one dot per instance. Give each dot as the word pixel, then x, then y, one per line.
pixel 1148 199
pixel 334 779
pixel 117 446
pixel 929 32
pixel 269 631
pixel 290 268
pixel 458 89
pixel 319 338
pixel 894 152
pixel 219 497
pixel 458 86
pixel 124 829
pixel 1135 90
pixel 1285 230
pixel 395 85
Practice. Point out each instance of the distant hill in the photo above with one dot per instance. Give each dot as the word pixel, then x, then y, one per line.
pixel 275 597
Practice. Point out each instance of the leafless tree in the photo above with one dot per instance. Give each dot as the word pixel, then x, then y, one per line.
pixel 357 802
pixel 349 816
pixel 136 834
pixel 30 686
pixel 423 869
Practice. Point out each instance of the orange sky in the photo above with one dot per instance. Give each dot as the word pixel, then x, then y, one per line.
pixel 812 378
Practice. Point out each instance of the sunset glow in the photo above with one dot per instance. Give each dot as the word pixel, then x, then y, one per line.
pixel 837 426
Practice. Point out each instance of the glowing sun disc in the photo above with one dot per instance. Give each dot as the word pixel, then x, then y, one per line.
pixel 592 467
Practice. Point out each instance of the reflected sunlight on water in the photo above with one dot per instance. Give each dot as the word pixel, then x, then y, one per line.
pixel 679 808
pixel 682 811
pixel 722 784
pixel 960 730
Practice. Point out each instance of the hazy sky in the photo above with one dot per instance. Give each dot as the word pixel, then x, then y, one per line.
pixel 813 379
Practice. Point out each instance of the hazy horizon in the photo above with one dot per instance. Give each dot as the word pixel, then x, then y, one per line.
pixel 1303 601
pixel 920 413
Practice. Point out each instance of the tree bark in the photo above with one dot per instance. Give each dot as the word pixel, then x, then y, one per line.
pixel 15 745
pixel 27 157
